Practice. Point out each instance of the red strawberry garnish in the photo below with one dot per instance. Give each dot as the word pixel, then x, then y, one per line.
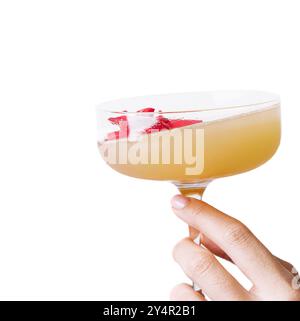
pixel 122 133
pixel 122 122
pixel 165 123
pixel 146 110
pixel 162 123
pixel 176 123
pixel 117 120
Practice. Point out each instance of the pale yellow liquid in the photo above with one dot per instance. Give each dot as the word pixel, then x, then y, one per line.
pixel 232 145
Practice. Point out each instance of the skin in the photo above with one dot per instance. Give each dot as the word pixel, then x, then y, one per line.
pixel 225 237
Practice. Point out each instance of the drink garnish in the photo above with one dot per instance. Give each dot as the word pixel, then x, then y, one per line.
pixel 146 110
pixel 160 123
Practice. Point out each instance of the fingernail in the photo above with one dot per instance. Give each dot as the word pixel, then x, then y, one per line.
pixel 179 202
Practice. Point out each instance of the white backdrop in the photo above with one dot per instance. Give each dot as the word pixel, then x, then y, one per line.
pixel 70 227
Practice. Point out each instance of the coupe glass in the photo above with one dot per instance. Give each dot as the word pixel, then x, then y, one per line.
pixel 189 139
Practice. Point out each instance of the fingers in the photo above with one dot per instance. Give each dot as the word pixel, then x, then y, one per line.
pixel 205 270
pixel 214 248
pixel 235 239
pixel 209 244
pixel 184 292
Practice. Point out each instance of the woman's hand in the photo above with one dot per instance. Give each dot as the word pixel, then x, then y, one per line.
pixel 226 237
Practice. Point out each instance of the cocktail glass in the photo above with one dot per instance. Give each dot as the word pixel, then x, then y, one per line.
pixel 189 139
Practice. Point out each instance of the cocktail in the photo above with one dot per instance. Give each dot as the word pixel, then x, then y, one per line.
pixel 189 139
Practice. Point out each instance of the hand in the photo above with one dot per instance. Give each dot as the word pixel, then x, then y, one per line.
pixel 226 237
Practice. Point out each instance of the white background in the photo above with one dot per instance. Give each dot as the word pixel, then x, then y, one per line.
pixel 70 227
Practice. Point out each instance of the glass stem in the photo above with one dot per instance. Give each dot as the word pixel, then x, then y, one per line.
pixel 196 191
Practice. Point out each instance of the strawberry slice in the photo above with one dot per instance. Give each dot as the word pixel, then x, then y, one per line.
pixel 122 133
pixel 122 122
pixel 146 110
pixel 117 120
pixel 167 124
pixel 177 123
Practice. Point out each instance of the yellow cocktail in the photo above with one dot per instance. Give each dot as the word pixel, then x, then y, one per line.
pixel 229 146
